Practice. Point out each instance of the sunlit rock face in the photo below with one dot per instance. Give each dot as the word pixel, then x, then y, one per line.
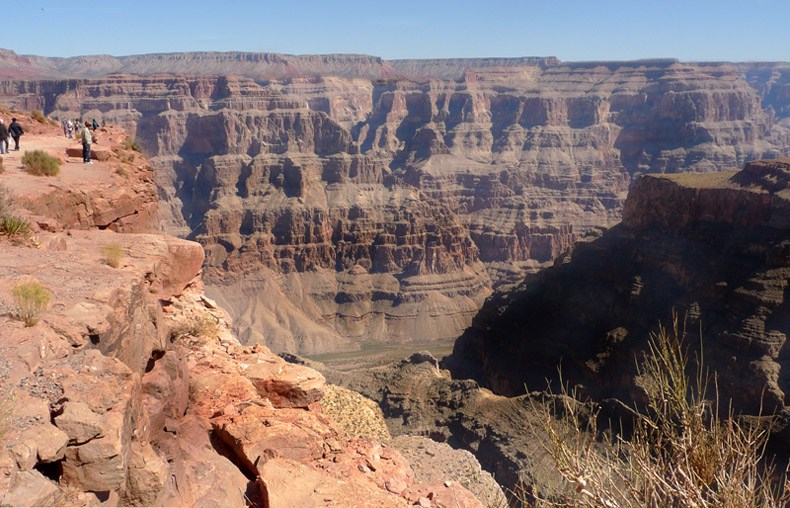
pixel 383 203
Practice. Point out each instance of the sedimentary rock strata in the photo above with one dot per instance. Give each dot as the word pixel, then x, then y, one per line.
pixel 131 389
pixel 351 199
pixel 711 248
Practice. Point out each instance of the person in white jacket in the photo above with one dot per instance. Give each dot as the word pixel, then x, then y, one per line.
pixel 86 143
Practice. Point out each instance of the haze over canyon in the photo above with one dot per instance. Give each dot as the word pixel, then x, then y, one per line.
pixel 346 199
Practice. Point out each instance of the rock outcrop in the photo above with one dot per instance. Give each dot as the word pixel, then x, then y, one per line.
pixel 711 248
pixel 131 390
pixel 336 209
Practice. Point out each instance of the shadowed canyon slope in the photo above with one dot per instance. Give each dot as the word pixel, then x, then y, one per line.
pixel 713 248
pixel 352 199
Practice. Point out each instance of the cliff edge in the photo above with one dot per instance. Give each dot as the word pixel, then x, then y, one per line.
pixel 131 389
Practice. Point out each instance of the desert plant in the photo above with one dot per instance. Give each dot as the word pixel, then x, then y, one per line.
pixel 12 225
pixel 121 171
pixel 31 299
pixel 681 451
pixel 112 253
pixel 38 116
pixel 40 163
pixel 131 144
pixel 207 326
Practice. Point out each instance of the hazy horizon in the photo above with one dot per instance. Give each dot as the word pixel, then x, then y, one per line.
pixel 571 30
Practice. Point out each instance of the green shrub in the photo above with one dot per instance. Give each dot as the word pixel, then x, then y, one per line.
pixel 40 163
pixel 14 225
pixel 121 171
pixel 38 116
pixel 31 299
pixel 10 224
pixel 112 254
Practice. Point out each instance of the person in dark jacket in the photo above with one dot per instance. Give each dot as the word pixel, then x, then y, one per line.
pixel 3 137
pixel 95 124
pixel 15 130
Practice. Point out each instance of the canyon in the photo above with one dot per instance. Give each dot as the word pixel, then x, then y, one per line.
pixel 130 389
pixel 339 201
pixel 345 200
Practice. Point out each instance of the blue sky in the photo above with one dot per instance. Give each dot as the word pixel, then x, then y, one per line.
pixel 568 29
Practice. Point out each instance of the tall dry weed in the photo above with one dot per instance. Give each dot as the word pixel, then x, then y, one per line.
pixel 681 452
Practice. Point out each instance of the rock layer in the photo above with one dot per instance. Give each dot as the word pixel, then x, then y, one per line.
pixel 336 209
pixel 712 248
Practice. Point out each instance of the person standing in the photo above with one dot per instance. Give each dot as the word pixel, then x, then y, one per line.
pixel 95 124
pixel 65 127
pixel 70 126
pixel 86 144
pixel 15 130
pixel 3 137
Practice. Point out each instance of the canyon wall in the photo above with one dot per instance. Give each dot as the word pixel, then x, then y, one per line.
pixel 337 210
pixel 712 249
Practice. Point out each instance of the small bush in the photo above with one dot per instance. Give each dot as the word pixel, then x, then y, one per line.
pixel 40 163
pixel 112 254
pixel 131 144
pixel 38 116
pixel 196 326
pixel 10 224
pixel 14 225
pixel 121 172
pixel 31 299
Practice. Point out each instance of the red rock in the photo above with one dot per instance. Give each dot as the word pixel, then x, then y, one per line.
pixel 286 384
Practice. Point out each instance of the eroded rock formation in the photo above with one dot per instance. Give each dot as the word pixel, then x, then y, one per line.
pixel 336 209
pixel 131 389
pixel 712 248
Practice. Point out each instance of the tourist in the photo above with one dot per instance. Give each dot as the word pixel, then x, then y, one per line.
pixel 86 143
pixel 15 130
pixel 3 137
pixel 70 127
pixel 65 127
pixel 95 124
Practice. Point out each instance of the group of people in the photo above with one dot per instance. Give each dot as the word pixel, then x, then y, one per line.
pixel 70 126
pixel 14 130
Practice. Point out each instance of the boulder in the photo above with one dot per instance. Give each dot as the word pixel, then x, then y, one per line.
pixel 285 384
pixel 79 422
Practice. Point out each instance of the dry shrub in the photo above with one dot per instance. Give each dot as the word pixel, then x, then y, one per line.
pixel 131 144
pixel 40 163
pixel 38 116
pixel 681 452
pixel 112 254
pixel 31 299
pixel 206 326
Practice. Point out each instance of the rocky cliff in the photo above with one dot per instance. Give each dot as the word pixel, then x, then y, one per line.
pixel 711 248
pixel 131 390
pixel 337 210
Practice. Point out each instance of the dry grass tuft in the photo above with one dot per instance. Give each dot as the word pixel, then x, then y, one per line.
pixel 681 452
pixel 112 254
pixel 31 299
